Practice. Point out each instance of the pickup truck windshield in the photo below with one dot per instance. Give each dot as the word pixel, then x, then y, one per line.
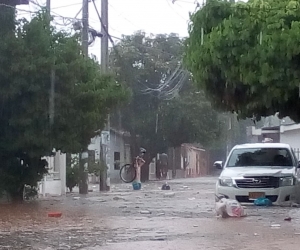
pixel 264 157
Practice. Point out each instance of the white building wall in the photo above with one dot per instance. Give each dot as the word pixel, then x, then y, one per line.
pixel 116 145
pixel 54 183
pixel 292 138
pixel 96 146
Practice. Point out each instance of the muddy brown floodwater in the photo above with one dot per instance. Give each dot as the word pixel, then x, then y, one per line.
pixel 180 219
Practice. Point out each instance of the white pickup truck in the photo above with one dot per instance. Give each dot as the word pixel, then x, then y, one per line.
pixel 257 170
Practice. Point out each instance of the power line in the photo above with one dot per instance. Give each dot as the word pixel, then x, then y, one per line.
pixel 70 20
pixel 121 15
pixel 176 11
pixel 66 6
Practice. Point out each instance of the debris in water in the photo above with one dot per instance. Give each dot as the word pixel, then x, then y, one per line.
pixel 288 219
pixel 229 208
pixel 165 187
pixel 158 239
pixel 263 202
pixel 275 225
pixel 55 214
pixel 145 212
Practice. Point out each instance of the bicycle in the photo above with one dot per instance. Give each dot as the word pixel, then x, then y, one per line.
pixel 128 172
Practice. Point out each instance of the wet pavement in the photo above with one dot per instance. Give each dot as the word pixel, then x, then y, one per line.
pixel 182 218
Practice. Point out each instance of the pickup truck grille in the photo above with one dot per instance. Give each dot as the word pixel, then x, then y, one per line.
pixel 258 182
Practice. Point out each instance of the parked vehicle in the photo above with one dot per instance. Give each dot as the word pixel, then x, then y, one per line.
pixel 258 170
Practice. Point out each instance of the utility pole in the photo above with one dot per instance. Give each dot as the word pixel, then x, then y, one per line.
pixel 85 27
pixel 83 158
pixel 48 7
pixel 104 40
pixel 104 177
pixel 52 76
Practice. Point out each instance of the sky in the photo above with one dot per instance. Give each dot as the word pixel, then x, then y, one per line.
pixel 125 16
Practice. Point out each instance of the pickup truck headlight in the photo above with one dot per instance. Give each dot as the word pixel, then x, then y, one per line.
pixel 227 182
pixel 286 181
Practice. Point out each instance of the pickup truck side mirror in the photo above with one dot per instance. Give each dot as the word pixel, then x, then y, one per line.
pixel 218 164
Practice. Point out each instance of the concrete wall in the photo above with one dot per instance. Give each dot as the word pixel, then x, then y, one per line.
pixel 152 170
pixel 118 144
pixel 110 143
pixel 50 187
pixel 96 146
pixel 55 182
pixel 291 137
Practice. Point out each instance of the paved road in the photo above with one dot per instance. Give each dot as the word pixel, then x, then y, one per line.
pixel 124 219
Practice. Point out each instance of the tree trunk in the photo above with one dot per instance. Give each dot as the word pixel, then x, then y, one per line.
pixel 17 196
pixel 83 175
pixel 103 172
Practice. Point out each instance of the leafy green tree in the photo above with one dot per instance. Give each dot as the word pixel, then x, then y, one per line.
pixel 83 98
pixel 164 109
pixel 248 58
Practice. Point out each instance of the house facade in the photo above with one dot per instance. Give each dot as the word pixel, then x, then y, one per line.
pixel 186 161
pixel 120 152
pixel 114 146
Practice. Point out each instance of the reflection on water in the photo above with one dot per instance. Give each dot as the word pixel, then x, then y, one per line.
pixel 27 225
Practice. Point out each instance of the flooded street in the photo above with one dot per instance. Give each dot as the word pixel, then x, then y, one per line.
pixel 182 218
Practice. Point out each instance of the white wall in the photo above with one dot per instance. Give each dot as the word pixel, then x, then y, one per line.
pixel 50 187
pixel 55 182
pixel 152 170
pixel 116 145
pixel 291 137
pixel 96 146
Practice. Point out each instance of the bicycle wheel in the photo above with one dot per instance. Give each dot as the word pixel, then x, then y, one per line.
pixel 127 173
